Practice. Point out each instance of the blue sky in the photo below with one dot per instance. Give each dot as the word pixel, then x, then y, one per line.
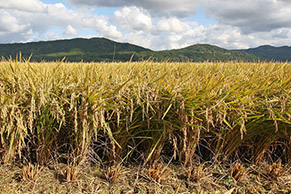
pixel 155 24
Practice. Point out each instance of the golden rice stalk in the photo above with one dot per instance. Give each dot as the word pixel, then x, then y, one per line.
pixel 31 114
pixel 275 171
pixel 70 173
pixel 30 172
pixel 112 173
pixel 237 171
pixel 158 173
pixel 195 173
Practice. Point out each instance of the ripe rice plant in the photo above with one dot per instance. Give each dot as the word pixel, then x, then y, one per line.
pixel 140 111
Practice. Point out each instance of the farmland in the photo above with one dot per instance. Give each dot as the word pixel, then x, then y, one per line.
pixel 144 113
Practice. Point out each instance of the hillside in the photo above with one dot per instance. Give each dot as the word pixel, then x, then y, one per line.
pixel 101 49
pixel 95 49
pixel 271 53
pixel 204 52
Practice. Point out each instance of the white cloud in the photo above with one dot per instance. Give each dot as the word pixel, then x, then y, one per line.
pixel 23 5
pixel 250 15
pixel 155 24
pixel 225 36
pixel 29 32
pixel 174 24
pixel 176 8
pixel 8 23
pixel 20 19
pixel 133 18
pixel 70 31
pixel 107 30
pixel 51 36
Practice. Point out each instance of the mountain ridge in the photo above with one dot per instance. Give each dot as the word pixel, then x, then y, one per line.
pixel 270 53
pixel 105 50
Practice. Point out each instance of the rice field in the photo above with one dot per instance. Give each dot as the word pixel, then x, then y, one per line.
pixel 144 112
pixel 149 114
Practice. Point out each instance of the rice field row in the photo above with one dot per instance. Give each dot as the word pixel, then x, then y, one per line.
pixel 142 112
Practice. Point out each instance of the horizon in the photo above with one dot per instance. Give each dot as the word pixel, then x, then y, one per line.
pixel 73 38
pixel 156 25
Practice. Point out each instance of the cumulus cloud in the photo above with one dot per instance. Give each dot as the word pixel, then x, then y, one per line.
pixel 222 35
pixel 20 22
pixel 176 8
pixel 250 15
pixel 9 23
pixel 70 31
pixel 155 24
pixel 20 5
pixel 173 24
pixel 107 30
pixel 133 18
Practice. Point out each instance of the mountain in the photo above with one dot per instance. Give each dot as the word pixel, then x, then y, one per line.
pixel 94 49
pixel 271 53
pixel 204 52
pixel 101 49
